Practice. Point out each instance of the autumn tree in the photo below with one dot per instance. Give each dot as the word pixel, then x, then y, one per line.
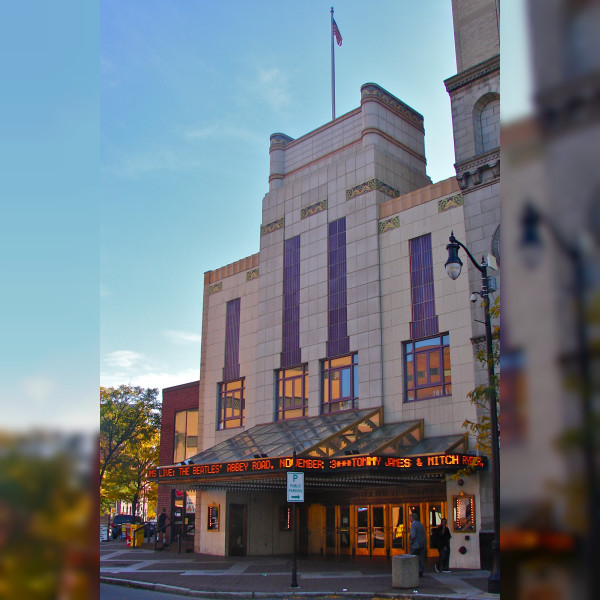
pixel 128 415
pixel 127 479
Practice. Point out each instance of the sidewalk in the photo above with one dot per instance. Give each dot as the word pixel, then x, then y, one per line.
pixel 265 577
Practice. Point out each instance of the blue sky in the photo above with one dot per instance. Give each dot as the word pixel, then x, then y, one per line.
pixel 190 93
pixel 134 157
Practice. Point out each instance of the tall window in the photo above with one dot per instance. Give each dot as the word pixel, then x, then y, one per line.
pixel 290 354
pixel 424 320
pixel 339 383
pixel 186 434
pixel 292 392
pixel 427 368
pixel 338 341
pixel 231 404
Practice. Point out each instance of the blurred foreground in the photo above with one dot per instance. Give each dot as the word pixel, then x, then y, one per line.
pixel 48 517
pixel 550 506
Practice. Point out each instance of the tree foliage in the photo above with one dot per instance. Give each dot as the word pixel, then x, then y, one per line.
pixel 127 415
pixel 127 480
pixel 46 542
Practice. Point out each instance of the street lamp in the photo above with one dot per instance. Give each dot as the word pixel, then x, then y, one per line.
pixel 453 268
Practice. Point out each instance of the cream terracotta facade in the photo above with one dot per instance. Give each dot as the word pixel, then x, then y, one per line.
pixel 369 167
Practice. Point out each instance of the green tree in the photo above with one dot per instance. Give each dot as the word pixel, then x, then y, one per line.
pixel 127 415
pixel 127 478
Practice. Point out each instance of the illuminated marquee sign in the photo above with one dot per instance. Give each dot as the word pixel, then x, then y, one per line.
pixel 388 464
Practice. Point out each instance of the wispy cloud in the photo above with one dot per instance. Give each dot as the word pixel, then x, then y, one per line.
pixel 123 359
pixel 266 85
pixel 38 388
pixel 182 337
pixel 156 158
pixel 273 83
pixel 152 378
pixel 222 130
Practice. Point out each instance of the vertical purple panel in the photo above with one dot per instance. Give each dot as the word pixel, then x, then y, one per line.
pixel 232 341
pixel 337 340
pixel 290 355
pixel 424 319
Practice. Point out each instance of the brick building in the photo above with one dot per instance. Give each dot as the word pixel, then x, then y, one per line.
pixel 178 441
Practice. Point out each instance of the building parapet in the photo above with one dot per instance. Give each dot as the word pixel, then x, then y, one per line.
pixel 244 264
pixel 447 187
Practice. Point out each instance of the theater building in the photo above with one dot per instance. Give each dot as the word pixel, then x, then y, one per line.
pixel 342 350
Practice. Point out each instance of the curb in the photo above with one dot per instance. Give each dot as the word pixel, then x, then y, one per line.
pixel 207 595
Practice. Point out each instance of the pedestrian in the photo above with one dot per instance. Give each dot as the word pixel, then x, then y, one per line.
pixel 441 536
pixel 161 526
pixel 417 540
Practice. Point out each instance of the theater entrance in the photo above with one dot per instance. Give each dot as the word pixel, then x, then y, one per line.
pixel 370 529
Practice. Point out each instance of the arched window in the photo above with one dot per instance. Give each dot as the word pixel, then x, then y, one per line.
pixel 486 122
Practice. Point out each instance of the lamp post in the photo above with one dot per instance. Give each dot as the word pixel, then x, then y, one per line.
pixel 531 220
pixel 453 268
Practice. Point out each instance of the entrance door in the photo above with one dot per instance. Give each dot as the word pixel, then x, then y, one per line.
pixel 237 530
pixel 400 529
pixel 378 528
pixel 337 530
pixel 436 512
pixel 371 530
pixel 362 530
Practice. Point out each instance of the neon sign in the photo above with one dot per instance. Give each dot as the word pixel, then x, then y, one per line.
pixel 388 464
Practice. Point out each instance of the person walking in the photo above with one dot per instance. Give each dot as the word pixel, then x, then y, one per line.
pixel 441 535
pixel 161 526
pixel 417 540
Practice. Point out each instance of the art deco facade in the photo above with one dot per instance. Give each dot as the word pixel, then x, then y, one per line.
pixel 344 341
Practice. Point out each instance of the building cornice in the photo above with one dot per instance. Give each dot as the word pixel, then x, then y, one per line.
pixel 474 73
pixel 373 92
pixel 481 170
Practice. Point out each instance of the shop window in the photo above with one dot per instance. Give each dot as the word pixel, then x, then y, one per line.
pixel 427 368
pixel 231 404
pixel 292 392
pixel 186 435
pixel 339 383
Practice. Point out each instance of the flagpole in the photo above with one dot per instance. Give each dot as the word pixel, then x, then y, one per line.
pixel 332 71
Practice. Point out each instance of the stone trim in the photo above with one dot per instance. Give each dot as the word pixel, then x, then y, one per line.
pixel 279 141
pixel 389 224
pixel 470 173
pixel 253 274
pixel 390 139
pixel 270 227
pixel 313 209
pixel 217 287
pixel 475 72
pixel 370 186
pixel 371 91
pixel 445 204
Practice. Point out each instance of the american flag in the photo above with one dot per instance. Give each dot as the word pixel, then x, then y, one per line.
pixel 336 32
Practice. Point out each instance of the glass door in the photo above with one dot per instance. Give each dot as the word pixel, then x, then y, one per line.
pixel 362 530
pixel 436 511
pixel 378 542
pixel 400 530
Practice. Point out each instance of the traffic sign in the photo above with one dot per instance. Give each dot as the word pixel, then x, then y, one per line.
pixel 295 487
